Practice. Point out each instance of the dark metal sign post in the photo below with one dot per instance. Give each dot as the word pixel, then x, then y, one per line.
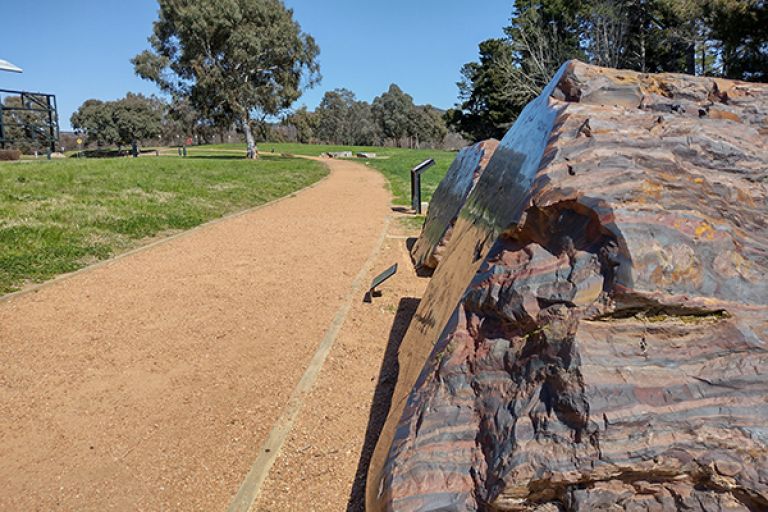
pixel 378 281
pixel 416 173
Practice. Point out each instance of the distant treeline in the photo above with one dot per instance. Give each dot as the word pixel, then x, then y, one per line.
pixel 392 119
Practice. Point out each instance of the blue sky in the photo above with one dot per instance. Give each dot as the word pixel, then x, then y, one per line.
pixel 81 49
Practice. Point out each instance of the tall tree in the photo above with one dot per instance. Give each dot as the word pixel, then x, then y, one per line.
pixel 606 30
pixel 649 37
pixel 305 124
pixel 136 117
pixel 393 113
pixel 342 119
pixel 181 120
pixel 706 37
pixel 122 122
pixel 94 121
pixel 427 125
pixel 334 117
pixel 739 31
pixel 364 128
pixel 543 34
pixel 488 92
pixel 235 60
pixel 512 71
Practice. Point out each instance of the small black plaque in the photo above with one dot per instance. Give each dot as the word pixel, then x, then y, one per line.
pixel 423 166
pixel 378 281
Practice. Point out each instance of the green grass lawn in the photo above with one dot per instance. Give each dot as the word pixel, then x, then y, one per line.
pixel 58 216
pixel 395 163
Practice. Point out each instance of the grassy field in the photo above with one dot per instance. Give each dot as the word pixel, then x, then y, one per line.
pixel 395 163
pixel 58 216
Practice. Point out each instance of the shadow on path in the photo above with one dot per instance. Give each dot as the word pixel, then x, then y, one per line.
pixel 382 399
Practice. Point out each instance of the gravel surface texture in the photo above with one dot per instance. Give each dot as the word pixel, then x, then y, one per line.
pixel 149 383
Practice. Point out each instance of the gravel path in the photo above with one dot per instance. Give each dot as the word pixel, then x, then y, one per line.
pixel 150 383
pixel 323 463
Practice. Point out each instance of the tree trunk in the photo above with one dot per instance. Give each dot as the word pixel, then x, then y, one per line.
pixel 690 59
pixel 249 140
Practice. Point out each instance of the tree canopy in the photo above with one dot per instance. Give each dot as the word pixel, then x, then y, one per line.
pixel 122 122
pixel 489 97
pixel 725 38
pixel 392 111
pixel 342 119
pixel 305 124
pixel 398 119
pixel 181 121
pixel 233 60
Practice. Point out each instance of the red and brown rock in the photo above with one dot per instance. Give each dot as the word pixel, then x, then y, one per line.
pixel 447 202
pixel 609 350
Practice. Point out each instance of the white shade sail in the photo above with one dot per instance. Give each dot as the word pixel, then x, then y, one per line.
pixel 7 66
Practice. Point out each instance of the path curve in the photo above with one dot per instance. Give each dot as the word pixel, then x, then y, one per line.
pixel 151 382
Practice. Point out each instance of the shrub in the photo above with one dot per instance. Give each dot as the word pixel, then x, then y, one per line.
pixel 8 155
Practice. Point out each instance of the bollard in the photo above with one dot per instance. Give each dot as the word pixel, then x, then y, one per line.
pixel 416 173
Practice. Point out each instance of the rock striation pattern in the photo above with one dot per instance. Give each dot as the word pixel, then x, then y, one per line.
pixel 596 337
pixel 447 202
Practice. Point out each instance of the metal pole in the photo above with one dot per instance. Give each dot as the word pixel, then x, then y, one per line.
pixel 53 123
pixel 413 190
pixel 416 183
pixel 56 112
pixel 417 195
pixel 2 129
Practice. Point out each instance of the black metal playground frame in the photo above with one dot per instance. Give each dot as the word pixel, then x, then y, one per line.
pixel 37 118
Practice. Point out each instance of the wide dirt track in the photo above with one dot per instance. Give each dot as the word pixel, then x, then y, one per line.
pixel 150 383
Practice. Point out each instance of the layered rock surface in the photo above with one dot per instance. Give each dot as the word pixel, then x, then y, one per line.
pixel 447 202
pixel 596 337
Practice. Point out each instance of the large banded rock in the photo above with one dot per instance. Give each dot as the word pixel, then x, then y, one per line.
pixel 596 337
pixel 447 201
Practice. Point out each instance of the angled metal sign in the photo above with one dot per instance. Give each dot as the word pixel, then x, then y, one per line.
pixel 378 281
pixel 7 66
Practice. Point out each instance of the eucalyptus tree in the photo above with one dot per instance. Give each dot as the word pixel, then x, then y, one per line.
pixel 305 124
pixel 334 117
pixel 393 113
pixel 427 126
pixel 93 120
pixel 121 122
pixel 342 119
pixel 235 60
